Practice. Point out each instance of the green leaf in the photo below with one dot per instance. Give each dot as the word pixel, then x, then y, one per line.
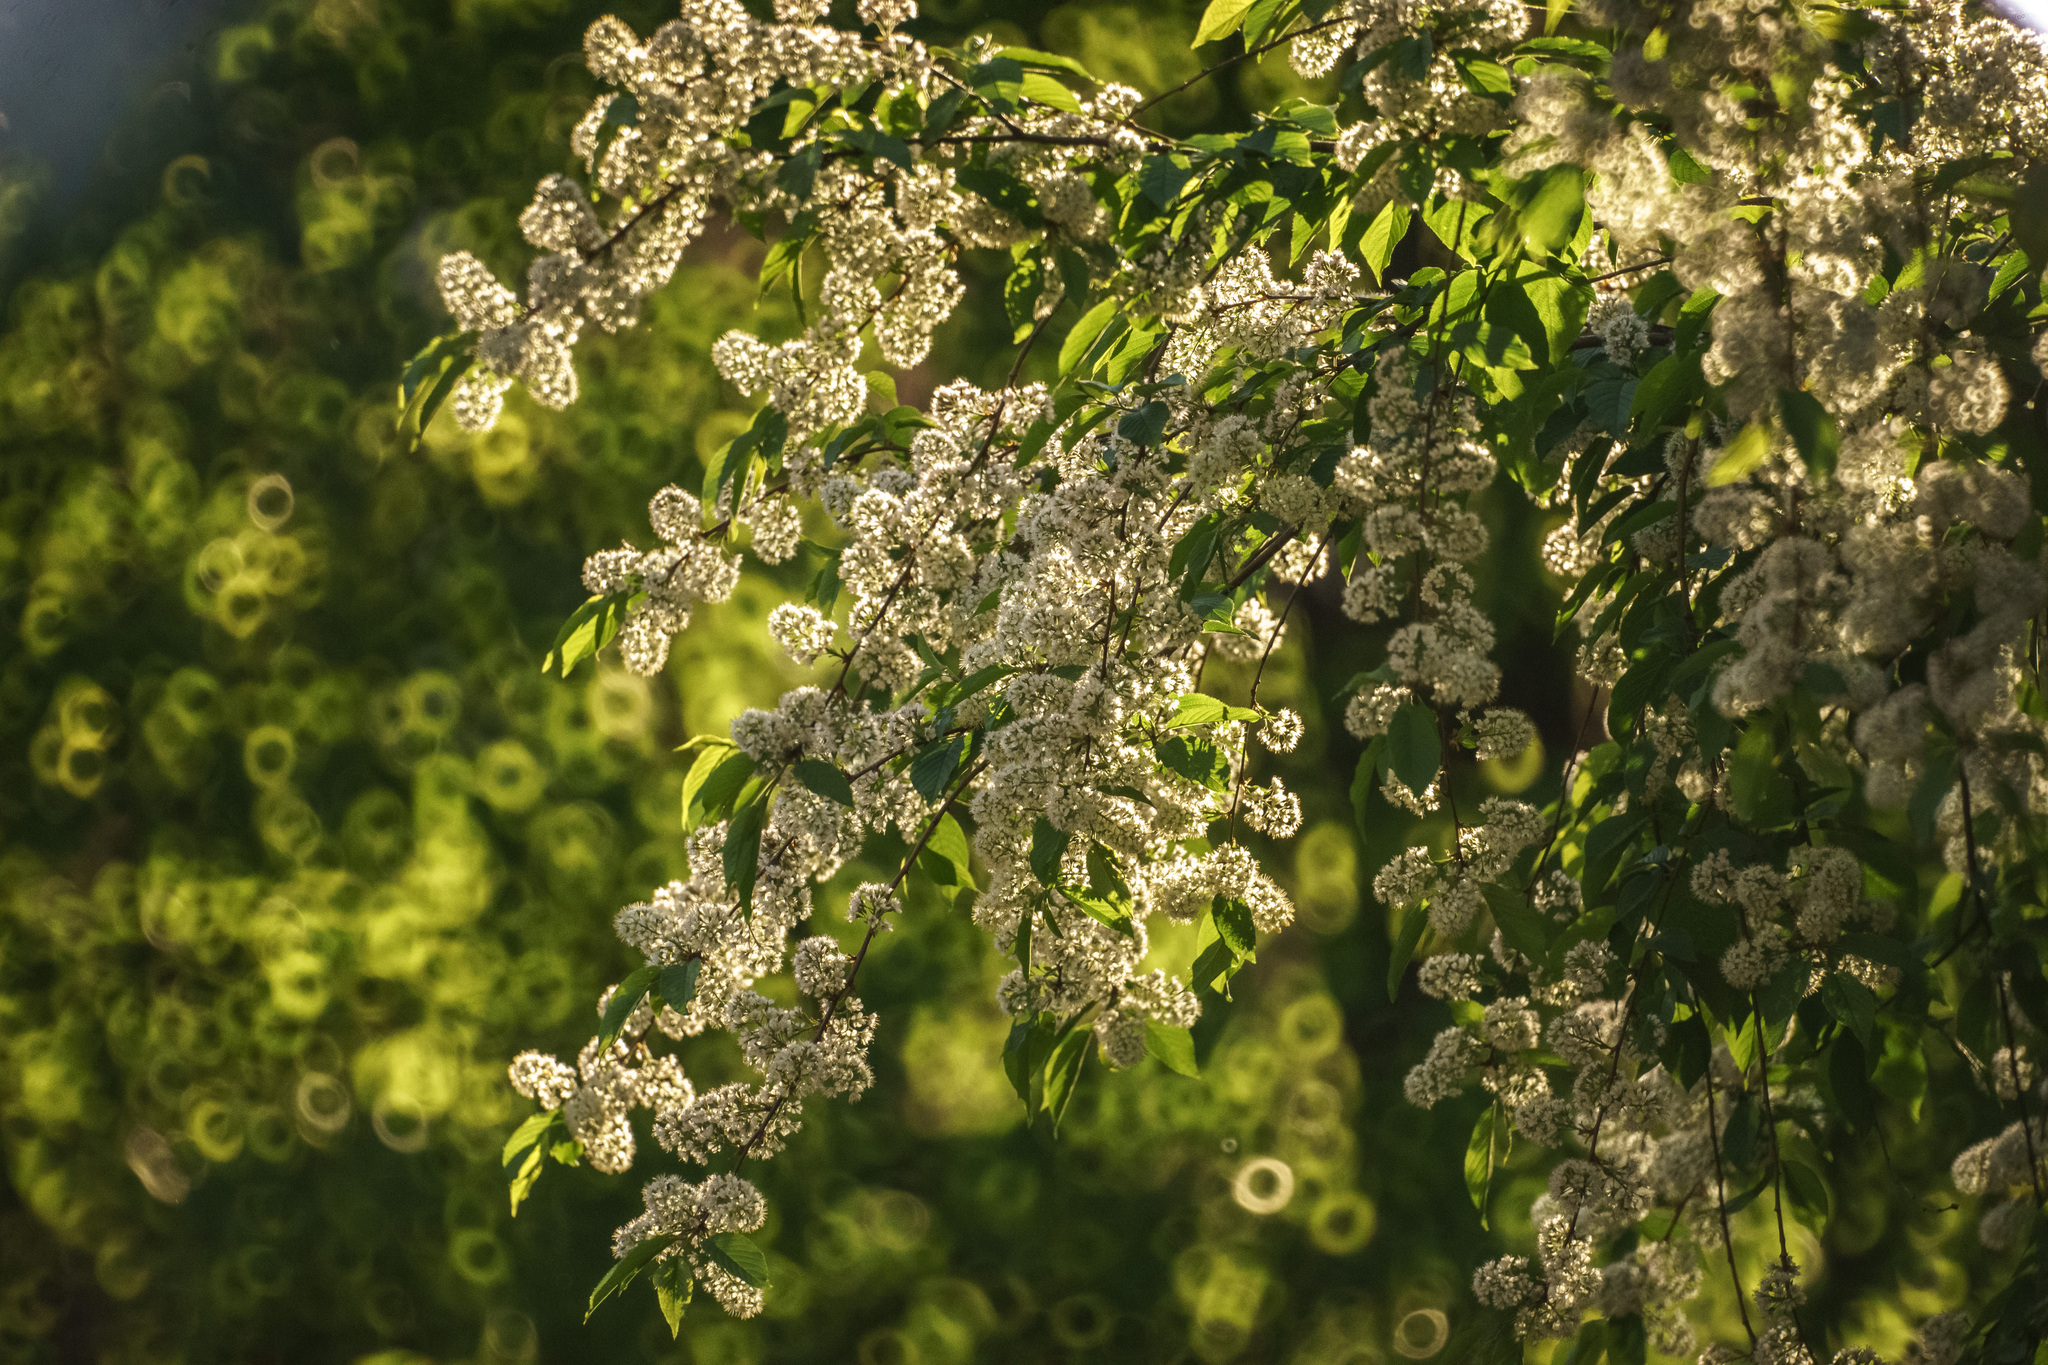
pixel 1048 847
pixel 1028 57
pixel 1365 780
pixel 529 1132
pixel 742 856
pixel 589 629
pixel 1085 333
pixel 1628 1343
pixel 1044 89
pixel 1485 1150
pixel 1491 78
pixel 827 781
pixel 1402 951
pixel 800 172
pixel 1851 1002
pixel 1213 961
pixel 946 859
pixel 1005 191
pixel 1739 1138
pixel 673 1287
pixel 1144 426
pixel 678 984
pixel 763 439
pixel 1195 759
pixel 1234 926
pixel 1175 1047
pixel 1220 20
pixel 629 994
pixel 1590 1344
pixel 1686 169
pixel 1671 383
pixel 1521 928
pixel 736 1254
pixel 1414 749
pixel 715 780
pixel 1812 429
pixel 1161 179
pixel 1808 1189
pixel 1386 231
pixel 1750 769
pixel 627 1268
pixel 528 1174
pixel 1106 885
pixel 1552 212
pixel 1063 1072
pixel 1199 708
pixel 933 767
pixel 1748 450
pixel 1027 1039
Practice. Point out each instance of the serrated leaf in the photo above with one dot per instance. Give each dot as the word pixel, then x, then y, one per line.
pixel 678 984
pixel 1851 1002
pixel 737 1254
pixel 933 767
pixel 1739 1138
pixel 1234 926
pixel 1386 231
pixel 821 777
pixel 1048 847
pixel 725 772
pixel 524 1180
pixel 1144 426
pixel 742 855
pixel 1063 1073
pixel 1194 759
pixel 673 1287
pixel 620 1007
pixel 945 857
pixel 1085 333
pixel 1221 19
pixel 1174 1047
pixel 1484 1151
pixel 528 1133
pixel 627 1268
pixel 589 629
pixel 1199 708
pixel 1046 90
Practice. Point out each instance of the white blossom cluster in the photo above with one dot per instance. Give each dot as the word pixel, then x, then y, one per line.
pixel 1032 579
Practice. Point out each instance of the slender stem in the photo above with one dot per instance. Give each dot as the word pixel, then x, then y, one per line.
pixel 1763 1065
pixel 1721 1201
pixel 1249 52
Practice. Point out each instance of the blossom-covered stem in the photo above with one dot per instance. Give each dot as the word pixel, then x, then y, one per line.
pixel 1721 1201
pixel 909 564
pixel 2019 1088
pixel 832 1002
pixel 931 827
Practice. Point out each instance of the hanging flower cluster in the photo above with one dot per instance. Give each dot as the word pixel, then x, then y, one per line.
pixel 1741 292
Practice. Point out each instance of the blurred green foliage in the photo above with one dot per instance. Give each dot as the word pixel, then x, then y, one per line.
pixel 297 846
